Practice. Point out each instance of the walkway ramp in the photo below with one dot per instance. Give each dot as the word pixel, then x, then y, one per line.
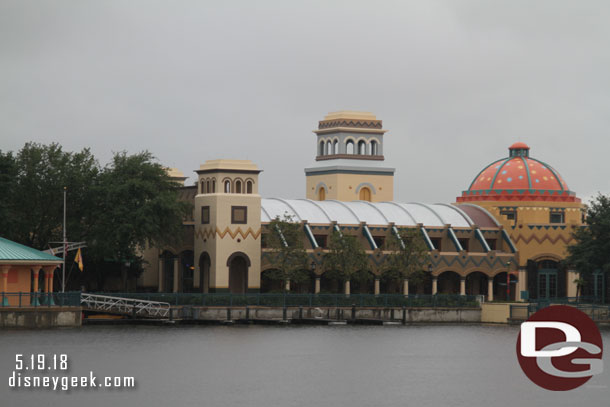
pixel 125 306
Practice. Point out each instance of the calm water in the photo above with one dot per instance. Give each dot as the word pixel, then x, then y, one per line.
pixel 292 366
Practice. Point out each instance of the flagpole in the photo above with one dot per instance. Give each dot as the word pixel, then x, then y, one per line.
pixel 63 273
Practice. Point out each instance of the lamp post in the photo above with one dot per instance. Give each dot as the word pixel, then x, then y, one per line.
pixel 508 280
pixel 312 267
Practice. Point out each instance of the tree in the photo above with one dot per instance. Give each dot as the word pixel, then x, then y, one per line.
pixel 408 258
pixel 287 253
pixel 346 259
pixel 591 252
pixel 116 210
pixel 136 205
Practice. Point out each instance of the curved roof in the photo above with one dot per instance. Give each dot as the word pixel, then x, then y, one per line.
pixel 372 213
pixel 517 175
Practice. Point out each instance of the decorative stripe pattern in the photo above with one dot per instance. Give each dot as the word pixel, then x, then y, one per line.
pixel 202 233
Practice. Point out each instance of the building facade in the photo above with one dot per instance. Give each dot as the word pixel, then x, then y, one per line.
pixel 503 238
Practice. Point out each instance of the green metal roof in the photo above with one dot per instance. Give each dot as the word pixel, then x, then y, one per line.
pixel 12 251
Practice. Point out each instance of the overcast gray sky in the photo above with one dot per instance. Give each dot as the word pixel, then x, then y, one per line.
pixel 455 83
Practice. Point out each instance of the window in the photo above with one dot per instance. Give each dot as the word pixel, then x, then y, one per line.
pixel 239 214
pixel 509 214
pixel 464 243
pixel 321 149
pixel 249 187
pixel 213 186
pixel 227 187
pixel 361 147
pixel 205 215
pixel 207 187
pixel 329 148
pixel 491 243
pixel 436 242
pixel 322 194
pixel 349 147
pixel 238 187
pixel 556 217
pixel 365 194
pixel 203 187
pixel 336 147
pixel 373 147
pixel 320 240
pixel 379 241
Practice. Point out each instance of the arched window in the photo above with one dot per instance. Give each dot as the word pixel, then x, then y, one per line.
pixel 349 147
pixel 365 194
pixel 213 186
pixel 336 147
pixel 227 187
pixel 207 187
pixel 203 187
pixel 361 147
pixel 373 147
pixel 238 187
pixel 322 194
pixel 329 148
pixel 249 187
pixel 321 149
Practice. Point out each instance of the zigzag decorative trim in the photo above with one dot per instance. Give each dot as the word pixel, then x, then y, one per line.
pixel 463 263
pixel 526 240
pixel 211 233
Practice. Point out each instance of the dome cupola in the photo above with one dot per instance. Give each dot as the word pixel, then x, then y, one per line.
pixel 518 177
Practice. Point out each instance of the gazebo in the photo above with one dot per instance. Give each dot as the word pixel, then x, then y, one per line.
pixel 20 268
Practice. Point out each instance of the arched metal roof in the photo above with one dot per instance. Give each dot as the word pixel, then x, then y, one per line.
pixel 372 213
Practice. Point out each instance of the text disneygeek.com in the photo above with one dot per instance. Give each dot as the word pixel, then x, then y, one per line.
pixel 44 364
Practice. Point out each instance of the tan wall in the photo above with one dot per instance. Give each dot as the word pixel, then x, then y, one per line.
pixel 495 312
pixel 221 239
pixel 343 187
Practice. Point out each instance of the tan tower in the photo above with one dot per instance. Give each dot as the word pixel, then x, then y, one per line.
pixel 349 160
pixel 228 226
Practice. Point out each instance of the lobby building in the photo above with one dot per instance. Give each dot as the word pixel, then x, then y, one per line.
pixel 503 238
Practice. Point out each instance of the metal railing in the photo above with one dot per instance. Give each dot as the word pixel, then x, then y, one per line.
pixel 307 300
pixel 597 312
pixel 39 299
pixel 131 306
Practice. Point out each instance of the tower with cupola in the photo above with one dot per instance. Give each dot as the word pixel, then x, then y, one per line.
pixel 349 160
pixel 227 226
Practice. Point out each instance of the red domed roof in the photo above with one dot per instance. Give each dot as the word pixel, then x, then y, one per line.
pixel 518 177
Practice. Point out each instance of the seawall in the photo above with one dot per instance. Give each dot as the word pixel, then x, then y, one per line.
pixel 40 317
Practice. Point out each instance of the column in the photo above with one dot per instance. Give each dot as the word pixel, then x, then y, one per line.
pixel 48 283
pixel 490 288
pixel 160 283
pixel 462 286
pixel 434 285
pixel 377 290
pixel 347 288
pixel 287 287
pixel 405 286
pixel 175 275
pixel 571 287
pixel 317 287
pixel 4 270
pixel 34 300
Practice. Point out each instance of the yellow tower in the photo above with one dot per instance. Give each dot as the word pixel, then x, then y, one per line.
pixel 349 162
pixel 228 226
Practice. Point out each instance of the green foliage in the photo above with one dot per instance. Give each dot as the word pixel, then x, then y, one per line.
pixel 592 248
pixel 408 258
pixel 345 258
pixel 287 253
pixel 116 210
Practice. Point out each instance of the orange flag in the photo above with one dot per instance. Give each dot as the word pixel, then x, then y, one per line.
pixel 79 259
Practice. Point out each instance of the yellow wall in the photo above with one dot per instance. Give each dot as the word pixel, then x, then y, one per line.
pixel 532 233
pixel 344 187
